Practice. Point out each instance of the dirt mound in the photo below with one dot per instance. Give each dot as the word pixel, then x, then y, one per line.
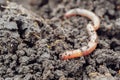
pixel 30 45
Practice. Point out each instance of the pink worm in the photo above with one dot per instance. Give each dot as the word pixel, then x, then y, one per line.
pixel 85 50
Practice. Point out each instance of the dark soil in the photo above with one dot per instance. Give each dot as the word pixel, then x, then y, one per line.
pixel 30 45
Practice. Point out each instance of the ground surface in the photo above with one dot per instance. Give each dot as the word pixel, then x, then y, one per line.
pixel 30 44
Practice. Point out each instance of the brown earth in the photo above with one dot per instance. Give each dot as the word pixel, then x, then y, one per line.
pixel 30 44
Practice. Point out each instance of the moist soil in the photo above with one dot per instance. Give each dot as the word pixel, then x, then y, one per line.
pixel 33 34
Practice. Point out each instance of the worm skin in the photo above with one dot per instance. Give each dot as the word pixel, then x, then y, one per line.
pixel 92 44
pixel 86 13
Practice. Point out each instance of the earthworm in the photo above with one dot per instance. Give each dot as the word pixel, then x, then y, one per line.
pixel 91 28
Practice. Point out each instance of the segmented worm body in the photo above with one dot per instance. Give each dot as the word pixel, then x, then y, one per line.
pixel 91 28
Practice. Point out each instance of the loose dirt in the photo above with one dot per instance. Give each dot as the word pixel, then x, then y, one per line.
pixel 32 39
